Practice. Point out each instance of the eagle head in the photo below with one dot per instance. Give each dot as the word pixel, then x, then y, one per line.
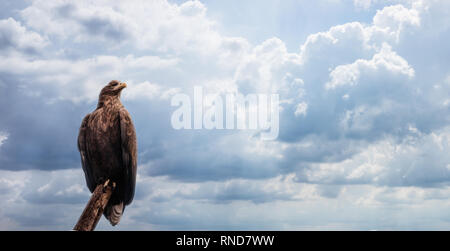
pixel 113 88
pixel 111 92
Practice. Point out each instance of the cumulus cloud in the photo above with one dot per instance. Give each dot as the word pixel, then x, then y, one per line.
pixel 385 60
pixel 156 25
pixel 79 80
pixel 419 160
pixel 14 37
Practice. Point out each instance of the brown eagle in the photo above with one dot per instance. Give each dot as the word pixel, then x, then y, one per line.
pixel 107 145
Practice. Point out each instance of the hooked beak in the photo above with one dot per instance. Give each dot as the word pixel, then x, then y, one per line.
pixel 122 86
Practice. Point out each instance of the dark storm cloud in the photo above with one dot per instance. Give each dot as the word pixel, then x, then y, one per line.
pixel 41 135
pixel 189 155
pixel 193 166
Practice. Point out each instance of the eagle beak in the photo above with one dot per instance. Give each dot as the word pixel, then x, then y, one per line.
pixel 122 86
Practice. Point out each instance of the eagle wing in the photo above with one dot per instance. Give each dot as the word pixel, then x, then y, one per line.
pixel 82 147
pixel 129 154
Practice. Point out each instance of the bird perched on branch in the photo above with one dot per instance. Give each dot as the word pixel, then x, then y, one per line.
pixel 107 145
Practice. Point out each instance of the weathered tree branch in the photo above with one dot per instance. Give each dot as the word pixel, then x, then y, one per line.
pixel 94 209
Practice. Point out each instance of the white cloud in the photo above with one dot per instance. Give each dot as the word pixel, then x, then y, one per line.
pixel 193 8
pixel 301 109
pixel 386 61
pixel 396 18
pixel 364 4
pixel 156 25
pixel 56 187
pixel 149 90
pixel 15 37
pixel 81 80
pixel 267 69
pixel 355 40
pixel 3 137
pixel 418 160
pixel 257 191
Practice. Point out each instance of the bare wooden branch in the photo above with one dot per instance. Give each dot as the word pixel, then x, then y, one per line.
pixel 94 209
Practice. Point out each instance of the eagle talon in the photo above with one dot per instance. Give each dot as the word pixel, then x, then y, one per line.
pixel 105 185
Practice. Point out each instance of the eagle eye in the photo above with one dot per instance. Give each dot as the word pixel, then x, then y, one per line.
pixel 114 84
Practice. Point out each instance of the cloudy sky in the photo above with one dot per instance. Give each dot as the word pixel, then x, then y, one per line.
pixel 364 116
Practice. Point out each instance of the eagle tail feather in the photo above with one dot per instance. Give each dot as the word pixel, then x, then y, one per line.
pixel 114 212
